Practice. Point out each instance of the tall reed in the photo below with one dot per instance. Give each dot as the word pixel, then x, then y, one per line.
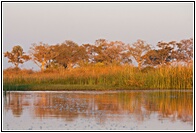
pixel 118 77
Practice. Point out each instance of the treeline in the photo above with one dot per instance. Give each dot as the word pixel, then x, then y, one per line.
pixel 69 54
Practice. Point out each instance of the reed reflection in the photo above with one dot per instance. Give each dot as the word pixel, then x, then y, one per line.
pixel 172 105
pixel 15 102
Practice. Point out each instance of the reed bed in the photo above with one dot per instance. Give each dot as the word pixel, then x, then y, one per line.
pixel 100 78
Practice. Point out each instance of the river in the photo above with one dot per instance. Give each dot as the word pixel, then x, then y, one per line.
pixel 98 110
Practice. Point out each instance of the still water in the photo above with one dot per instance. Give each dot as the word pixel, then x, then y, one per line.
pixel 94 110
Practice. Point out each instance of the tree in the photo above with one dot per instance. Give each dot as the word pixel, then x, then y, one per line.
pixel 90 52
pixel 137 50
pixel 42 54
pixel 169 52
pixel 118 52
pixel 184 50
pixel 164 55
pixel 114 52
pixel 16 56
pixel 151 58
pixel 82 54
pixel 101 46
pixel 156 57
pixel 70 54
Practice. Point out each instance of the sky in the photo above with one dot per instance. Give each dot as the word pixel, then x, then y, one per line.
pixel 52 23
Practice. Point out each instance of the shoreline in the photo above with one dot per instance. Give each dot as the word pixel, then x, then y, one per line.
pixel 99 92
pixel 60 87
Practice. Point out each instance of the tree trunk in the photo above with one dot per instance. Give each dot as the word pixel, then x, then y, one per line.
pixel 139 64
pixel 43 65
pixel 16 65
pixel 69 66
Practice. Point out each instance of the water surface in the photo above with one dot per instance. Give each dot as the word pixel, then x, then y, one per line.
pixel 93 110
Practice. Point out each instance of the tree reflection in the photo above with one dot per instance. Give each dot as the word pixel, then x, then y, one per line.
pixel 15 102
pixel 172 105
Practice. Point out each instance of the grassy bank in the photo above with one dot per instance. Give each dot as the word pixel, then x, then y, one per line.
pixel 100 78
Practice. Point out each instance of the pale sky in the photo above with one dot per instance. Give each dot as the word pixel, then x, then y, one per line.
pixel 52 23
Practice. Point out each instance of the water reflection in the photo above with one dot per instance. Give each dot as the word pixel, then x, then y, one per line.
pixel 171 105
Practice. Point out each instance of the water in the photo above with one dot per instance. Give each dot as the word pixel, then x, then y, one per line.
pixel 91 110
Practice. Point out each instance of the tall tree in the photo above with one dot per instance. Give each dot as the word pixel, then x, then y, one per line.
pixel 17 56
pixel 113 52
pixel 69 54
pixel 137 50
pixel 42 54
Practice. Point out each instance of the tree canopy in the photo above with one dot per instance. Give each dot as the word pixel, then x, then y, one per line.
pixel 16 56
pixel 69 54
pixel 137 50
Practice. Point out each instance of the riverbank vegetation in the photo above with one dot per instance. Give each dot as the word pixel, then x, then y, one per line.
pixel 101 78
pixel 102 66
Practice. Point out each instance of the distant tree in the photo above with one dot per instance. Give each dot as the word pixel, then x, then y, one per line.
pixel 156 58
pixel 184 50
pixel 42 54
pixel 164 55
pixel 118 52
pixel 82 54
pixel 69 54
pixel 16 56
pixel 169 52
pixel 114 52
pixel 137 50
pixel 151 58
pixel 90 52
pixel 100 55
